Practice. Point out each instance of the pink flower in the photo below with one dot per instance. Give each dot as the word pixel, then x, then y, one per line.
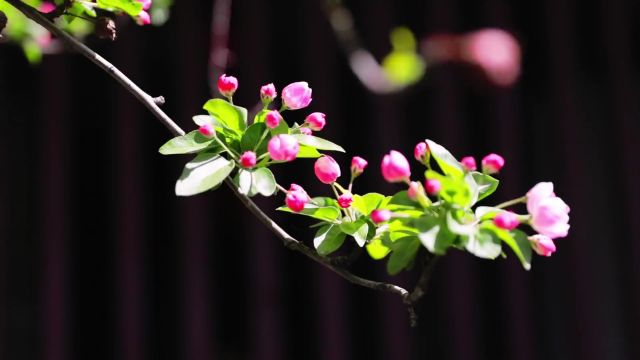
pixel 543 245
pixel 432 186
pixel 327 170
pixel 268 93
pixel 283 148
pixel 506 220
pixel 273 118
pixel 305 131
pixel 496 52
pixel 207 130
pixel 47 7
pixel 146 4
pixel 248 159
pixel 143 18
pixel 492 163
pixel 380 215
pixel 395 167
pixel 297 95
pixel 227 85
pixel 420 152
pixel 414 190
pixel 469 163
pixel 357 165
pixel 549 214
pixel 316 121
pixel 296 198
pixel 345 200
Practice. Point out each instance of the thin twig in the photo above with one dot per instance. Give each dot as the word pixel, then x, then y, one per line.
pixel 289 241
pixel 421 288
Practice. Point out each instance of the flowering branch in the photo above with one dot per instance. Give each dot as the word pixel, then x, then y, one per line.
pixel 151 104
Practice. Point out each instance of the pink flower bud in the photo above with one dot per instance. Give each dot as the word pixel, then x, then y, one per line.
pixel 357 165
pixel 143 18
pixel 146 4
pixel 47 7
pixel 327 170
pixel 492 163
pixel 305 131
pixel 248 159
pixel 316 121
pixel 283 148
pixel 469 163
pixel 414 190
pixel 395 167
pixel 421 152
pixel 227 85
pixel 549 214
pixel 543 245
pixel 296 198
pixel 380 215
pixel 273 118
pixel 432 186
pixel 268 93
pixel 506 220
pixel 345 200
pixel 207 130
pixel 296 95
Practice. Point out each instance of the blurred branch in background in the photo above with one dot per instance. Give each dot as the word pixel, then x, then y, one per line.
pixel 219 41
pixel 495 52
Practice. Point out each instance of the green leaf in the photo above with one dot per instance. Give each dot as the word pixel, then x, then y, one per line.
pixel 228 115
pixel 486 184
pixel 187 144
pixel 131 7
pixel 517 241
pixel 404 251
pixel 487 212
pixel 251 136
pixel 260 116
pixel 358 229
pixel 484 244
pixel 445 160
pixel 376 249
pixel 454 190
pixel 400 201
pixel 307 152
pixel 328 239
pixel 324 213
pixel 434 234
pixel 366 203
pixel 318 143
pixel 204 172
pixel 263 183
pixel 243 181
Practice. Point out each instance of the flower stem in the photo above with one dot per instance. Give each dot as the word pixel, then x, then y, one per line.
pixel 512 202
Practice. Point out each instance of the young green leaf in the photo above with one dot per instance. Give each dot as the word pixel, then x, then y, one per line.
pixel 404 252
pixel 366 203
pixel 486 184
pixel 131 7
pixel 204 172
pixel 263 183
pixel 358 229
pixel 376 249
pixel 230 116
pixel 324 213
pixel 517 241
pixel 318 143
pixel 328 239
pixel 190 143
pixel 484 244
pixel 307 152
pixel 251 136
pixel 445 160
pixel 243 181
pixel 434 234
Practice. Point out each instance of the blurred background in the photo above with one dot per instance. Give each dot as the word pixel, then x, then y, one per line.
pixel 100 260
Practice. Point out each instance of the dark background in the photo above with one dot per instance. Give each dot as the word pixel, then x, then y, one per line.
pixel 100 260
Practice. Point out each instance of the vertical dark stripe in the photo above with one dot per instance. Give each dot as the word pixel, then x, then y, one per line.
pixel 55 223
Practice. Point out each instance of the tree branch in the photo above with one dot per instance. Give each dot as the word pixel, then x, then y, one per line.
pixel 150 102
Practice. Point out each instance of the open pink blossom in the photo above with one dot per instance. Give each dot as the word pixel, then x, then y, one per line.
pixel 296 95
pixel 543 245
pixel 248 159
pixel 492 163
pixel 296 198
pixel 345 200
pixel 420 151
pixel 326 169
pixel 283 148
pixel 268 93
pixel 207 130
pixel 469 163
pixel 380 215
pixel 432 186
pixel 227 85
pixel 272 119
pixel 549 213
pixel 316 121
pixel 395 167
pixel 506 220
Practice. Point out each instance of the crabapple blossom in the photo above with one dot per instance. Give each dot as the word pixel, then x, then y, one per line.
pixel 542 244
pixel 492 163
pixel 207 130
pixel 421 152
pixel 395 167
pixel 296 95
pixel 296 198
pixel 357 165
pixel 316 121
pixel 506 220
pixel 227 85
pixel 283 148
pixel 469 163
pixel 380 215
pixel 326 169
pixel 549 213
pixel 248 159
pixel 268 93
pixel 432 186
pixel 272 119
pixel 305 131
pixel 345 200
